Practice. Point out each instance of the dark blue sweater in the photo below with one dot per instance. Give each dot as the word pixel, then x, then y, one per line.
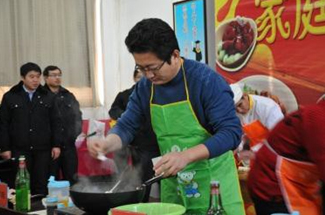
pixel 211 99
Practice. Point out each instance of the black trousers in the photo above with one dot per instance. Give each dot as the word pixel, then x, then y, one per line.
pixel 267 208
pixel 67 164
pixel 38 163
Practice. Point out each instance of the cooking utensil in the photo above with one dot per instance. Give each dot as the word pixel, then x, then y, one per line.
pixel 120 179
pixel 150 181
pixel 91 134
pixel 98 202
pixel 114 187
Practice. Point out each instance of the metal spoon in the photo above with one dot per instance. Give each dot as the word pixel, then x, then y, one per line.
pixel 114 187
pixel 119 181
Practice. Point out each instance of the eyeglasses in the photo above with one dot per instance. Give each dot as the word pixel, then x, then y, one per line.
pixel 55 75
pixel 144 70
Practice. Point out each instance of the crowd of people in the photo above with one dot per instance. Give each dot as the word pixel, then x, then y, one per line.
pixel 41 123
pixel 184 111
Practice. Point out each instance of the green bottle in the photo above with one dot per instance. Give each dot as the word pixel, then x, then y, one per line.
pixel 215 207
pixel 22 184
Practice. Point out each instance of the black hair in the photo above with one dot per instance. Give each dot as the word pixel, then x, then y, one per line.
pixel 50 68
pixel 152 35
pixel 28 67
pixel 135 72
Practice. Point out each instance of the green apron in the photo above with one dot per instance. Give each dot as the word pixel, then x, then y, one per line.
pixel 178 129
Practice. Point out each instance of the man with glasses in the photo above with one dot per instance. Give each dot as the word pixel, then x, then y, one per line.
pixel 192 113
pixel 71 124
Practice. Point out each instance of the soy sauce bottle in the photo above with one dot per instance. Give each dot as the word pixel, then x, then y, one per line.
pixel 215 207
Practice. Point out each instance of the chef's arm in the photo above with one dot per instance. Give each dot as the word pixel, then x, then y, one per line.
pixel 222 121
pixel 174 162
pixel 196 153
pixel 111 143
pixel 121 134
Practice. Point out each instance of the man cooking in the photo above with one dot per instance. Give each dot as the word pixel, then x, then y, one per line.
pixel 192 113
pixel 258 115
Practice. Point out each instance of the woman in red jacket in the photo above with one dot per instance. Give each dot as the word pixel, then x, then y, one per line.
pixel 290 165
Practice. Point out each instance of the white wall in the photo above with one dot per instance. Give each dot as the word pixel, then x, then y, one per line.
pixel 119 16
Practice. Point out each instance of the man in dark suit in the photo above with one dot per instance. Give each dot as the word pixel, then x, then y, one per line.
pixel 71 124
pixel 30 126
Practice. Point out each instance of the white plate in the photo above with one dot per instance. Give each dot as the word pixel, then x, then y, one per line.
pixel 274 86
pixel 218 37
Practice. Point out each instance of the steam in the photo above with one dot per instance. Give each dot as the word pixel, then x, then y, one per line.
pixel 128 175
pixel 116 168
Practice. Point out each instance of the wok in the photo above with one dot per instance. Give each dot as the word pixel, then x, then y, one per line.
pixel 89 193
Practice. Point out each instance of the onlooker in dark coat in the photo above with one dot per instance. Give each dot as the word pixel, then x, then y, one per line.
pixel 6 168
pixel 122 98
pixel 72 122
pixel 30 126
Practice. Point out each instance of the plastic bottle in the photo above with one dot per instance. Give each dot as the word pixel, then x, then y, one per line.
pixel 22 184
pixel 215 207
pixel 59 189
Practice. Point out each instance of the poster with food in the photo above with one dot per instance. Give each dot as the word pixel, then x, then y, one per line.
pixel 273 48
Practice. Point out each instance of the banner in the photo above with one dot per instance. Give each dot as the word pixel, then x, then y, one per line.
pixel 273 47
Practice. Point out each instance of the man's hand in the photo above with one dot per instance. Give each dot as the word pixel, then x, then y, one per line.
pixel 6 155
pixel 55 153
pixel 172 163
pixel 106 145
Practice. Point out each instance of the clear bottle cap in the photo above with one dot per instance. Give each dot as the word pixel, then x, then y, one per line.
pixel 214 182
pixel 22 157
